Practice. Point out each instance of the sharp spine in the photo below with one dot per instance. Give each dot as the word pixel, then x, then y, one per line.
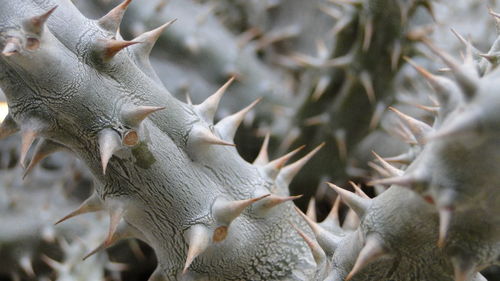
pixel 228 126
pixel 112 20
pixel 371 251
pixel 225 211
pixel 208 108
pixel 109 143
pixel 91 204
pixel 356 203
pixel 134 116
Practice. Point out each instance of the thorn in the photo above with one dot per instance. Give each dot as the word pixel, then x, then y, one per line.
pixel 91 204
pixel 188 99
pixel 372 251
pixel 290 171
pixel 340 140
pixel 28 137
pixel 311 210
pixel 133 117
pixel 419 129
pixel 115 217
pixel 405 181
pixel 466 78
pixel 35 24
pixel 149 40
pixel 275 200
pixel 377 115
pixel 12 47
pixel 326 240
pixel 440 84
pixel 198 239
pixel 445 215
pixel 112 20
pixel 366 82
pixel 27 266
pixel 321 87
pixel 492 58
pixel 43 149
pixel 463 269
pixel 225 211
pixel 393 171
pixel 273 168
pixel 123 232
pixel 228 126
pixel 333 216
pixel 395 55
pixel 109 143
pixel 202 135
pixel 263 156
pixel 368 34
pixel 405 158
pixel 466 124
pixel 356 203
pixel 108 48
pixel 57 266
pixel 465 42
pixel 208 108
pixel 317 252
pixel 358 190
pixel 8 127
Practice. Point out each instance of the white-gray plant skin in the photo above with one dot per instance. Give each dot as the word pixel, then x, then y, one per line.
pixel 176 184
pixel 170 177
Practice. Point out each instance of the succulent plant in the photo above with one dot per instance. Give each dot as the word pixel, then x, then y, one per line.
pixel 167 173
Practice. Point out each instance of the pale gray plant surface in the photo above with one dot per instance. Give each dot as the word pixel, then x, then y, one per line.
pixel 167 172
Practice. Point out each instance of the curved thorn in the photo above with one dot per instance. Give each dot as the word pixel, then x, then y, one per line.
pixel 109 143
pixel 198 239
pixel 43 149
pixel 28 137
pixel 372 251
